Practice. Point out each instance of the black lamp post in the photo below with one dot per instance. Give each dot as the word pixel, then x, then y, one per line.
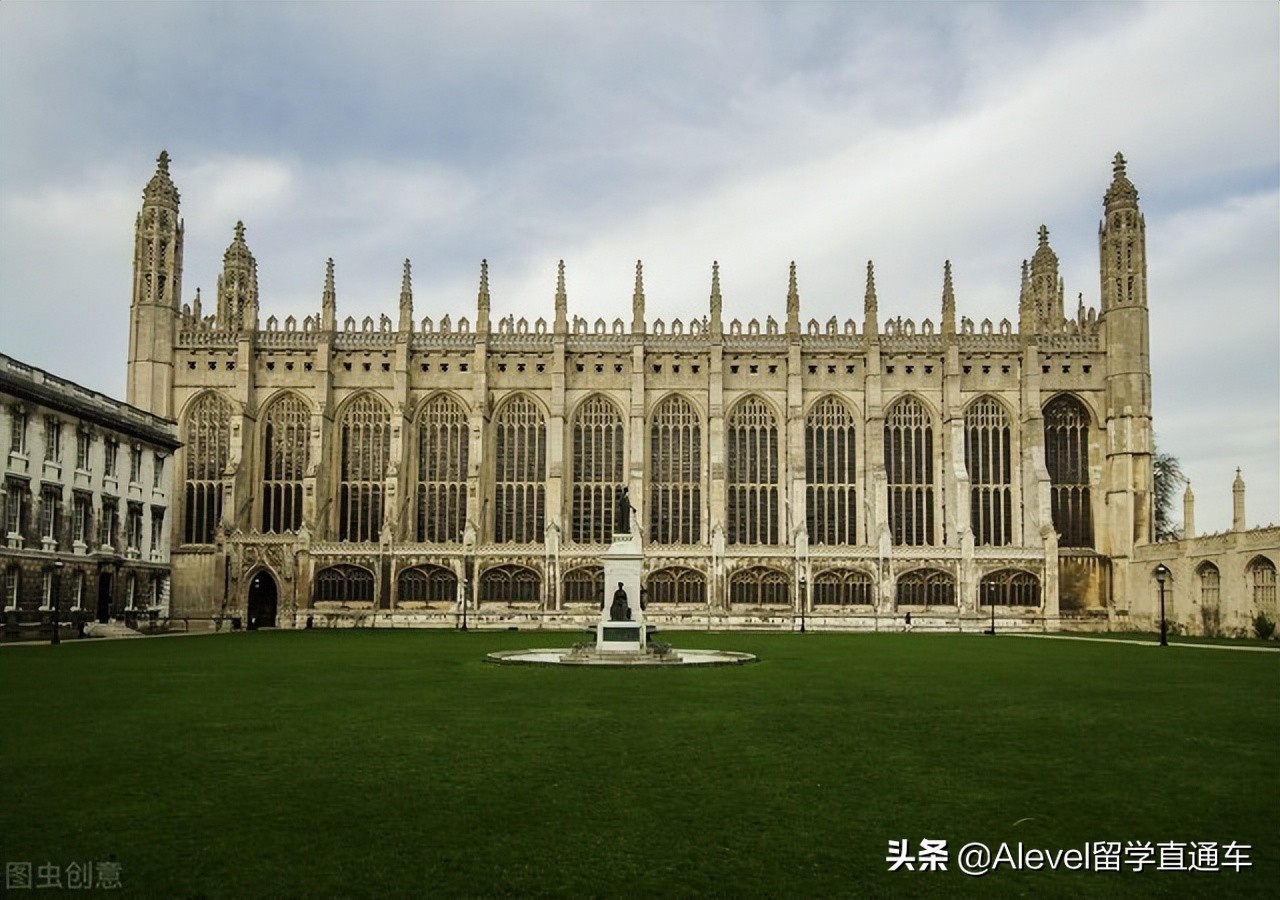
pixel 469 571
pixel 804 601
pixel 1162 575
pixel 57 600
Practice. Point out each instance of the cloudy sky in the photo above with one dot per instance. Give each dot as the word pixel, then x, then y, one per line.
pixel 752 134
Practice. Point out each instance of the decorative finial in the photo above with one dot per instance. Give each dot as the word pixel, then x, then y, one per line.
pixel 561 296
pixel 1044 236
pixel 483 297
pixel 1117 165
pixel 162 162
pixel 870 306
pixel 406 283
pixel 239 231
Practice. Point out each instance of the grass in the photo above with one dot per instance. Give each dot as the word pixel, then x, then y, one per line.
pixel 377 763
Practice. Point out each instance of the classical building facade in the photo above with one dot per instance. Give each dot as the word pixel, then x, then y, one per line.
pixel 418 468
pixel 85 496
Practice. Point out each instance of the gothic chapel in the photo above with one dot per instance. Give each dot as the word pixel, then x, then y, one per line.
pixel 336 471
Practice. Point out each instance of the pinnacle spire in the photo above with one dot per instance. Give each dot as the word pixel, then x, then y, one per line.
pixel 870 306
pixel 329 300
pixel 717 326
pixel 406 300
pixel 562 301
pixel 160 189
pixel 637 301
pixel 948 301
pixel 482 299
pixel 1121 192
pixel 793 302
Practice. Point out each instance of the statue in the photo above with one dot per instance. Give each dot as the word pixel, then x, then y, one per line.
pixel 619 611
pixel 622 514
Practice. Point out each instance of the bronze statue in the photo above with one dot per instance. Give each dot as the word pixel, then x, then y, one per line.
pixel 622 513
pixel 619 611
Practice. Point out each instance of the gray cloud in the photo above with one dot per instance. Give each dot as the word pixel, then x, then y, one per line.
pixel 753 134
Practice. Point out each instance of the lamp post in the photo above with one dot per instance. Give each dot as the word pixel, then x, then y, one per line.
pixel 804 601
pixel 57 600
pixel 469 571
pixel 1162 575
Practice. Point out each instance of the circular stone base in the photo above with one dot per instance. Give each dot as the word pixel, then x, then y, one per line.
pixel 564 656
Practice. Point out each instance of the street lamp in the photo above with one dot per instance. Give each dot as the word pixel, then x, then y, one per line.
pixel 1162 575
pixel 804 596
pixel 57 600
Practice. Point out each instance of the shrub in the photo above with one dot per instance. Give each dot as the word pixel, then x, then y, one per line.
pixel 1263 627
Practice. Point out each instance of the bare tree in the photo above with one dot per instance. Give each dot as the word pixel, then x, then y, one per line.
pixel 1168 477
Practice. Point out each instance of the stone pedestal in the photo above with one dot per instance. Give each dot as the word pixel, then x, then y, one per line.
pixel 622 567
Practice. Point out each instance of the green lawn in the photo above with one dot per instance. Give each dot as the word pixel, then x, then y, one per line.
pixel 391 764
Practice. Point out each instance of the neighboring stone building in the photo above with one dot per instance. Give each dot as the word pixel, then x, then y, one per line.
pixel 1218 583
pixel 844 471
pixel 87 484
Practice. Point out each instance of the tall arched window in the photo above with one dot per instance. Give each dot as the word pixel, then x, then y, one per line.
pixel 831 508
pixel 676 584
pixel 987 457
pixel 751 457
pixel 1009 587
pixel 842 587
pixel 760 586
pixel 908 460
pixel 597 470
pixel 1262 572
pixel 675 473
pixel 443 447
pixel 520 473
pixel 366 452
pixel 926 587
pixel 1066 455
pixel 286 452
pixel 1210 597
pixel 208 440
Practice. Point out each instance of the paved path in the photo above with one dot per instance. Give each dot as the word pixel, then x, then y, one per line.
pixel 1148 643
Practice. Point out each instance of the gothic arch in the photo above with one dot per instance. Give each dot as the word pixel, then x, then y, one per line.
pixel 989 459
pixel 519 440
pixel 851 407
pixel 284 423
pixel 437 396
pixel 1009 587
pixel 583 586
pixel 1262 585
pixel 442 434
pixel 206 433
pixel 1067 428
pixel 831 471
pixel 925 587
pixel 597 447
pixel 343 583
pixel 754 468
pixel 675 465
pixel 364 459
pixel 911 467
pixel 426 584
pixel 676 584
pixel 1209 579
pixel 510 584
pixel 843 587
pixel 760 586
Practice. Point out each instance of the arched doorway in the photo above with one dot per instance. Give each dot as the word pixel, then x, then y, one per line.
pixel 262 601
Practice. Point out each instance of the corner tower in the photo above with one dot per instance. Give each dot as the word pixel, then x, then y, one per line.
pixel 157 290
pixel 1127 476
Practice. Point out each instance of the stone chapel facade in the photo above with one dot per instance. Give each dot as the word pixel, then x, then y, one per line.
pixel 413 470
